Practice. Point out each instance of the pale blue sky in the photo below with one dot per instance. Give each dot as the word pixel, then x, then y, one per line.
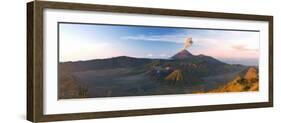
pixel 90 41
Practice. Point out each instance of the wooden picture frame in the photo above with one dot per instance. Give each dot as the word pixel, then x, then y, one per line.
pixel 35 60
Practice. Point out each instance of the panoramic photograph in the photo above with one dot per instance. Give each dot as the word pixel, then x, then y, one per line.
pixel 103 60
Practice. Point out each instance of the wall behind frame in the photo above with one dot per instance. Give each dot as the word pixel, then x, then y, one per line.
pixel 13 61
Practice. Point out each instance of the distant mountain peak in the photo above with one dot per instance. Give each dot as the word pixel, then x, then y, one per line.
pixel 183 54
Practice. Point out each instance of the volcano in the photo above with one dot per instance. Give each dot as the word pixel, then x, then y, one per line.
pixel 182 55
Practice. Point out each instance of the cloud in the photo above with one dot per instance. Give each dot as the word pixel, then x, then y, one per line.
pixel 244 48
pixel 199 36
pixel 149 55
pixel 164 55
pixel 174 38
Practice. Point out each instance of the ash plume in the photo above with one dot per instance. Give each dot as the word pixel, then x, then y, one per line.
pixel 188 42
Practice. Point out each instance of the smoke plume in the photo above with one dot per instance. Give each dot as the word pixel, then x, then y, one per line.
pixel 188 42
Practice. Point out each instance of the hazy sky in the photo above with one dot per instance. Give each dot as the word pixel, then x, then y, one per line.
pixel 88 41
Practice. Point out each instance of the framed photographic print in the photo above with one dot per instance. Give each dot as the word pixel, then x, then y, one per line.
pixel 95 61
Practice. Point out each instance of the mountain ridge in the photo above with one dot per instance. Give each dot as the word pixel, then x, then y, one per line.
pixel 183 72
